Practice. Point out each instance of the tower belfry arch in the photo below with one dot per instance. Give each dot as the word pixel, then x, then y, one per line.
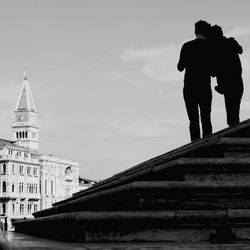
pixel 25 126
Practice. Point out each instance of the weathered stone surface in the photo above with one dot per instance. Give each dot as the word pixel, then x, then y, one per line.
pixel 196 193
pixel 18 241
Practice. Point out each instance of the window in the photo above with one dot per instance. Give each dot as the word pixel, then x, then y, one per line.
pixel 51 187
pixel 21 208
pixel 4 187
pixel 21 170
pixel 35 207
pixel 17 135
pixel 13 188
pixel 13 208
pixel 67 192
pixel 26 134
pixel 35 171
pixel 29 208
pixel 21 187
pixel 4 168
pixel 13 169
pixel 4 208
pixel 28 170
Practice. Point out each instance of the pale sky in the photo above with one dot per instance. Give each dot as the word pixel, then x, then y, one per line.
pixel 103 74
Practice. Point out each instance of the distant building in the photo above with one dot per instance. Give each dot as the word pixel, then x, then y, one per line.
pixel 59 179
pixel 19 182
pixel 30 181
pixel 25 126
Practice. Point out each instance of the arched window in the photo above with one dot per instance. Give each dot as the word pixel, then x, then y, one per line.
pixel 4 168
pixel 17 135
pixel 13 188
pixel 23 134
pixel 3 208
pixel 20 134
pixel 4 186
pixel 26 134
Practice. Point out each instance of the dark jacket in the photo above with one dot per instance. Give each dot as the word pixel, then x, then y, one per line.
pixel 227 57
pixel 195 58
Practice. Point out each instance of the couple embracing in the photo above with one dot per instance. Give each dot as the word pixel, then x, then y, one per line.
pixel 210 54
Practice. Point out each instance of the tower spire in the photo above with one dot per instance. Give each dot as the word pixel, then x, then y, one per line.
pixel 25 127
pixel 25 100
pixel 25 74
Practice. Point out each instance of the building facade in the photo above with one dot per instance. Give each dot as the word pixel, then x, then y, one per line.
pixel 59 179
pixel 30 181
pixel 19 183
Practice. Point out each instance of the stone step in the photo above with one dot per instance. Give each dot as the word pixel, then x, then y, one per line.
pixel 178 225
pixel 235 147
pixel 161 195
pixel 183 169
pixel 235 141
pixel 224 147
pixel 187 168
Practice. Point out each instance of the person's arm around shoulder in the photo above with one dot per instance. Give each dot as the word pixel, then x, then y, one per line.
pixel 236 45
pixel 181 64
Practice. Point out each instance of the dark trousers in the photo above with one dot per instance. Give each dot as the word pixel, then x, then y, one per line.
pixel 233 91
pixel 198 101
pixel 232 103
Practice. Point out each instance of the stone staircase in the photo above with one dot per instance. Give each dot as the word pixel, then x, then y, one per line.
pixel 197 193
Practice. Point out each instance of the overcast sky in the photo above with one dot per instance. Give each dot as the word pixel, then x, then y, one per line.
pixel 103 74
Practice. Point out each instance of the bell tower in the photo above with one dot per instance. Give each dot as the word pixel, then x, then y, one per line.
pixel 25 127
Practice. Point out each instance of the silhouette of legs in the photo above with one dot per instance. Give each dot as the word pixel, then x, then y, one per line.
pixel 205 111
pixel 194 102
pixel 191 103
pixel 232 99
pixel 232 103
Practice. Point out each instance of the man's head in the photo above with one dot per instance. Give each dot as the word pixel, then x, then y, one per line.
pixel 202 28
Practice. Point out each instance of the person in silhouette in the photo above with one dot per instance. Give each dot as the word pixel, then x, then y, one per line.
pixel 195 58
pixel 228 72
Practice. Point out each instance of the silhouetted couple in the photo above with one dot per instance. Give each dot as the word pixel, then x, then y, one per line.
pixel 210 54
